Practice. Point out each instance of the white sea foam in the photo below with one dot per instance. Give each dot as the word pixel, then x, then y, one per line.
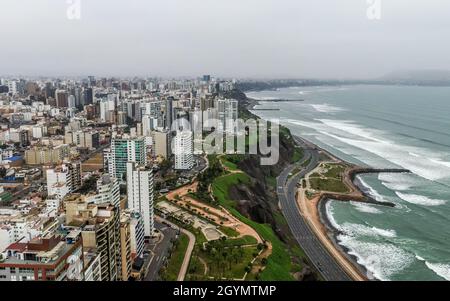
pixel 420 258
pixel 358 230
pixel 372 192
pixel 441 269
pixel 398 182
pixel 393 152
pixel 327 108
pixel 440 162
pixel 354 130
pixel 382 260
pixel 330 215
pixel 420 199
pixel 366 208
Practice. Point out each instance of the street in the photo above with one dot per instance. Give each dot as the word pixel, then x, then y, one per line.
pixel 286 190
pixel 158 252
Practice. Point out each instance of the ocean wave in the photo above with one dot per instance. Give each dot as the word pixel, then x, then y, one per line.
pixel 382 260
pixel 330 215
pixel 441 269
pixel 371 191
pixel 352 129
pixel 398 154
pixel 397 181
pixel 420 199
pixel 421 161
pixel 420 258
pixel 358 230
pixel 366 208
pixel 327 108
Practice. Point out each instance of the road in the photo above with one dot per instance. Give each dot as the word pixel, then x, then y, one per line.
pixel 159 251
pixel 286 190
pixel 190 248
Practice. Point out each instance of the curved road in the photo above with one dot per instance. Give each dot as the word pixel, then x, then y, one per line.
pixel 316 252
pixel 190 248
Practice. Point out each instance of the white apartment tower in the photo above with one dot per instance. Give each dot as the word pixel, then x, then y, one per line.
pixel 183 150
pixel 140 194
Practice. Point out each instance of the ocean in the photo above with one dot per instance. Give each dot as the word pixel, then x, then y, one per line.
pixel 383 127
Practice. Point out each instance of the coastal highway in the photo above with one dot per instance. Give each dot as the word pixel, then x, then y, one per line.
pixel 316 252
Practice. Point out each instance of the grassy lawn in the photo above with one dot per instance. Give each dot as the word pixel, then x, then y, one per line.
pixel 176 259
pixel 242 241
pixel 222 184
pixel 328 185
pixel 329 179
pixel 228 164
pixel 279 264
pixel 229 231
pixel 334 170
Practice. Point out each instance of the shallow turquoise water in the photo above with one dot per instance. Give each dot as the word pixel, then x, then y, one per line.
pixel 384 126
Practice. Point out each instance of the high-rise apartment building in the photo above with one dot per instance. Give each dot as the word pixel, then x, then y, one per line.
pixel 100 231
pixel 62 99
pixel 169 113
pixel 183 150
pixel 123 150
pixel 137 233
pixel 140 194
pixel 125 248
pixel 227 110
pixel 161 144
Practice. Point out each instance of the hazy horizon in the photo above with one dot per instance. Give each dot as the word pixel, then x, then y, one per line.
pixel 319 39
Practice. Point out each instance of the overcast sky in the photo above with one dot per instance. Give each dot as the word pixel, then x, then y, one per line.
pixel 233 38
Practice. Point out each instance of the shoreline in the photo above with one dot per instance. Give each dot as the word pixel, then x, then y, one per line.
pixel 315 212
pixel 322 222
pixel 333 234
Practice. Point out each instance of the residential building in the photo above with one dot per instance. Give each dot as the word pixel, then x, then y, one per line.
pixel 125 248
pixel 108 191
pixel 65 178
pixel 183 150
pixel 137 233
pixel 123 150
pixel 227 110
pixel 100 231
pixel 40 155
pixel 45 259
pixel 161 144
pixel 140 194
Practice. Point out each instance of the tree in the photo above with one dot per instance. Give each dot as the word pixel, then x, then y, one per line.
pixel 264 261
